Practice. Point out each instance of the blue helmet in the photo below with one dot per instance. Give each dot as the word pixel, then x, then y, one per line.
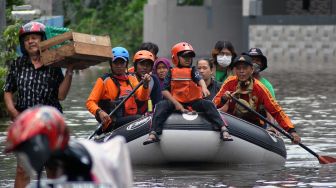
pixel 120 52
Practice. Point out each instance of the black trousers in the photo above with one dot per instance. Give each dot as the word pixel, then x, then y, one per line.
pixel 165 108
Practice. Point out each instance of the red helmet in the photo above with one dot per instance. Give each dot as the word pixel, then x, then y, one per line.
pixel 178 48
pixel 41 120
pixel 30 28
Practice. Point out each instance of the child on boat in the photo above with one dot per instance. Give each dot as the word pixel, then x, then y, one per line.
pixel 183 88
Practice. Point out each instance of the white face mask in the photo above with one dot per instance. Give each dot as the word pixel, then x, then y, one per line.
pixel 224 60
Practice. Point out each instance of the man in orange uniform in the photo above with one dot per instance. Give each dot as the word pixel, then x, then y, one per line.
pixel 110 89
pixel 251 92
pixel 183 88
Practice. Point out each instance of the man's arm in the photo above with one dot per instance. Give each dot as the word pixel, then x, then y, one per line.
pixel 65 84
pixel 9 102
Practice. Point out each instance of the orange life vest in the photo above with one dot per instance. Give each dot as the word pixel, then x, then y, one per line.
pixel 130 104
pixel 183 88
pixel 128 108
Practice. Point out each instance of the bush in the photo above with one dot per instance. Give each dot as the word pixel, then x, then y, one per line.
pixel 3 73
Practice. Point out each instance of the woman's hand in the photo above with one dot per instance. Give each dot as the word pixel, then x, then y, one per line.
pixel 205 92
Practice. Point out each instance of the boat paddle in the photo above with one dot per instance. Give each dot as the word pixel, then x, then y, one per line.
pixel 322 159
pixel 117 107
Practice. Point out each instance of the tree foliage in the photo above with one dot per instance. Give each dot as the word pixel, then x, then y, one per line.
pixel 122 20
pixel 9 37
pixel 8 42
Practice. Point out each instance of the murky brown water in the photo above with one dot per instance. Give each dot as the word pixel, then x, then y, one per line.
pixel 308 98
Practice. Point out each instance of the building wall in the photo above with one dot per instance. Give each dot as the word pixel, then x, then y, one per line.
pixel 306 43
pixel 44 5
pixel 295 7
pixel 165 24
pixel 290 36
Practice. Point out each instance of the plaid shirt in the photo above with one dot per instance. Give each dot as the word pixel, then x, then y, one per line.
pixel 33 86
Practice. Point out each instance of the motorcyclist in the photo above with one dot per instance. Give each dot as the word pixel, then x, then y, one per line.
pixel 40 138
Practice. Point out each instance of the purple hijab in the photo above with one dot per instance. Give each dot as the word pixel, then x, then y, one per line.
pixel 166 62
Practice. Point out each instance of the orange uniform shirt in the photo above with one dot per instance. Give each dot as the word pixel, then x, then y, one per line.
pixel 107 89
pixel 263 97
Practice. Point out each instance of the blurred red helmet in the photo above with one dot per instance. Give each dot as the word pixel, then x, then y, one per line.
pixel 40 120
pixel 179 48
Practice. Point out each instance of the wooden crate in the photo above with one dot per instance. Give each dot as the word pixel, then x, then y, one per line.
pixel 81 50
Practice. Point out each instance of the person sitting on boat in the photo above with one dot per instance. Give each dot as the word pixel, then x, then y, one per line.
pixel 110 89
pixel 183 88
pixel 143 64
pixel 251 92
pixel 259 61
pixel 160 69
pixel 40 138
pixel 205 67
pixel 149 46
pixel 223 54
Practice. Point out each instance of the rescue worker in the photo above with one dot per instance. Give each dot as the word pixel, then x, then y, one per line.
pixel 149 46
pixel 110 89
pixel 43 141
pixel 143 64
pixel 184 88
pixel 251 92
pixel 259 64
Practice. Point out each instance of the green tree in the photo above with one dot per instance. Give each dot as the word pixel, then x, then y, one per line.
pixel 122 20
pixel 8 42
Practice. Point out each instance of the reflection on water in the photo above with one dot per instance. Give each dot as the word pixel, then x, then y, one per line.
pixel 308 98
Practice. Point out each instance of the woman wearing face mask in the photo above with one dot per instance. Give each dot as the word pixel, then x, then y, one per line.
pixel 223 54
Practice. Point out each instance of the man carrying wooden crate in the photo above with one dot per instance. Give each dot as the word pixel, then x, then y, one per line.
pixel 34 83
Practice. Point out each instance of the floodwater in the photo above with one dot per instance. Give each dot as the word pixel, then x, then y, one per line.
pixel 308 98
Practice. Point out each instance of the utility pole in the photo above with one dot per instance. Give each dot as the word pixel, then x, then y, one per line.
pixel 2 15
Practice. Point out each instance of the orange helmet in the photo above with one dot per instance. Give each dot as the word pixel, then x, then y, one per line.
pixel 142 55
pixel 181 47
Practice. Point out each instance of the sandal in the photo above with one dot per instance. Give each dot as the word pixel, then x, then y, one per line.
pixel 150 139
pixel 224 134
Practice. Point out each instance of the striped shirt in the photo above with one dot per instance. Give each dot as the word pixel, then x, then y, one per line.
pixel 33 86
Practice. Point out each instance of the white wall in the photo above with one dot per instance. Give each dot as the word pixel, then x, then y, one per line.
pixel 165 24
